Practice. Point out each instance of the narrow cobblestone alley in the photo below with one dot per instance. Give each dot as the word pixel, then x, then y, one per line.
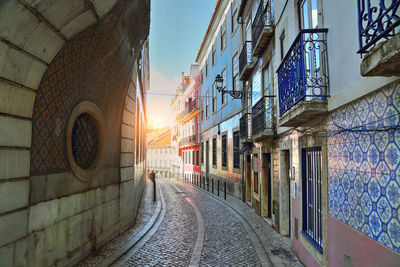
pixel 215 235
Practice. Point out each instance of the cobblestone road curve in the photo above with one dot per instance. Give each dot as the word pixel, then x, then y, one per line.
pixel 226 242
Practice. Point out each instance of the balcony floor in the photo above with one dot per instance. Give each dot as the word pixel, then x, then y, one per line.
pixel 246 72
pixel 303 112
pixel 263 40
pixel 383 59
pixel 263 135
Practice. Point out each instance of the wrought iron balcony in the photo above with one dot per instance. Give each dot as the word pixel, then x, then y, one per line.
pixel 262 27
pixel 377 20
pixel 191 140
pixel 262 117
pixel 189 108
pixel 245 126
pixel 246 61
pixel 303 73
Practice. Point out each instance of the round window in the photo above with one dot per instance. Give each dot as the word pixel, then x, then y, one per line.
pixel 84 140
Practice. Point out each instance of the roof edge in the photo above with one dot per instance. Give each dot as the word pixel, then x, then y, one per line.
pixel 208 29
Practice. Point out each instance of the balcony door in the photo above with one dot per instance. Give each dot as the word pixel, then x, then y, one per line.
pixel 314 48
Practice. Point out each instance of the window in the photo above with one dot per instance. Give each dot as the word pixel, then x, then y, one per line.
pixel 207 101
pixel 267 86
pixel 214 151
pixel 235 71
pixel 223 95
pixel 197 158
pixel 308 14
pixel 224 150
pixel 207 68
pixel 214 97
pixel 256 85
pixel 312 201
pixel 213 59
pixel 193 157
pixel 236 150
pixel 202 152
pixel 234 12
pixel 223 36
pixel 282 44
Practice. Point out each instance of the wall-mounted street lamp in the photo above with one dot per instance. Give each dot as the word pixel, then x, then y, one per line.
pixel 219 84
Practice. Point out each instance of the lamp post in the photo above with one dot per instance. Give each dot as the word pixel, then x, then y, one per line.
pixel 219 81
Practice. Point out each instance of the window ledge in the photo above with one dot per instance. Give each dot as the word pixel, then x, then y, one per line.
pixel 320 250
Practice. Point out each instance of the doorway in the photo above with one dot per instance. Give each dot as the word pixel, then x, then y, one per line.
pixel 285 213
pixel 248 179
pixel 267 182
pixel 207 160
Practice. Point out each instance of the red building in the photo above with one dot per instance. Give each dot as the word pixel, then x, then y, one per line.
pixel 189 143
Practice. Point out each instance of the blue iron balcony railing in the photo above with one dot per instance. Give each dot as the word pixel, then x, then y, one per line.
pixel 262 27
pixel 262 115
pixel 303 73
pixel 246 61
pixel 377 20
pixel 245 126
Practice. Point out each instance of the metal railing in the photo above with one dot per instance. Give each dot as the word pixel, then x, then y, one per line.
pixel 245 57
pixel 191 140
pixel 189 107
pixel 262 115
pixel 263 19
pixel 303 73
pixel 245 126
pixel 377 20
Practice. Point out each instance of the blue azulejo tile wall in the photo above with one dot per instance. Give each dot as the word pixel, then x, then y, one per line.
pixel 364 165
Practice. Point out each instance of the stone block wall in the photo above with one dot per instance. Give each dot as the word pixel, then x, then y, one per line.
pixel 53 57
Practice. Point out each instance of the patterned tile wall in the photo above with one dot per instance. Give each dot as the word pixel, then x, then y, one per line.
pixel 364 165
pixel 93 66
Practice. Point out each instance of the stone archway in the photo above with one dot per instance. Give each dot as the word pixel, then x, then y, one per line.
pixel 44 74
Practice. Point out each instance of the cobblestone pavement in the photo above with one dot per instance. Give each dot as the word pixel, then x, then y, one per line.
pixel 146 210
pixel 226 242
pixel 173 242
pixel 278 246
pixel 229 226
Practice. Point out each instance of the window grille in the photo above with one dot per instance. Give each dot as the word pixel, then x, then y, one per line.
pixel 214 151
pixel 223 150
pixel 236 150
pixel 312 189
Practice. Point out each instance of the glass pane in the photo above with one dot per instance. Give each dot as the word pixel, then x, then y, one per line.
pixel 304 17
pixel 314 14
pixel 256 94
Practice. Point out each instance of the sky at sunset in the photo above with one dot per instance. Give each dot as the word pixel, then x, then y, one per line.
pixel 176 32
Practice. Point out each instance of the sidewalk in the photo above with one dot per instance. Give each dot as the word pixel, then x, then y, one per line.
pixel 276 246
pixel 146 210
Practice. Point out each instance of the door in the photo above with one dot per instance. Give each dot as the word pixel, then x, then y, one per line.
pixel 248 178
pixel 267 182
pixel 207 159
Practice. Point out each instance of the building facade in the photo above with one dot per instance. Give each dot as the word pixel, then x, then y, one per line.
pixel 189 120
pixel 320 137
pixel 72 124
pixel 159 155
pixel 220 113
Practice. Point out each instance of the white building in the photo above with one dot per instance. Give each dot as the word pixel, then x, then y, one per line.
pixel 159 152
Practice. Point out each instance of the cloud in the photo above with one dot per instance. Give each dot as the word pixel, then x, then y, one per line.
pixel 160 82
